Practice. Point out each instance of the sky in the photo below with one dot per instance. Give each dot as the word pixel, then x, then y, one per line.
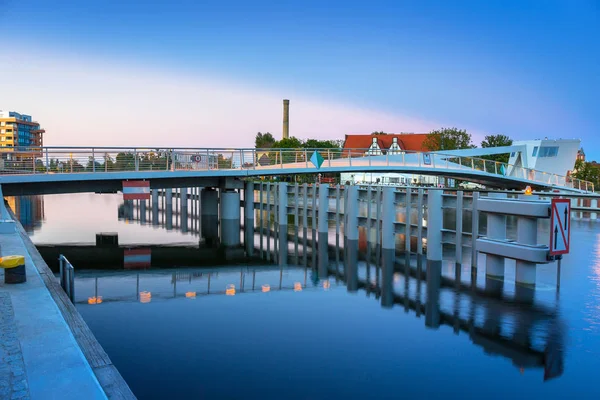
pixel 213 73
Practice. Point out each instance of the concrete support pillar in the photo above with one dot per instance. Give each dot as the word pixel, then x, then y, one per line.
pixel 351 210
pixel 526 271
pixel 184 209
pixel 459 229
pixel 249 218
pixel 282 218
pixel 496 229
pixel 154 206
pixel 169 208
pixel 230 217
pixel 388 244
pixel 474 229
pixel 434 225
pixel 323 231
pixel 407 230
pixel 594 205
pixel 209 215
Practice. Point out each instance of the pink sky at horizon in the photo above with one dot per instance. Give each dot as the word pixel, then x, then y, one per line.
pixel 90 103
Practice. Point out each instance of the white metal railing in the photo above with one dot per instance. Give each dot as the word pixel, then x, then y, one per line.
pixel 52 160
pixel 67 277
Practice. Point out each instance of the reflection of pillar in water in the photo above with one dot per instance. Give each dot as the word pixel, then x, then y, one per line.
pixel 249 218
pixel 184 209
pixel 154 206
pixel 230 217
pixel 434 283
pixel 169 208
pixel 351 265
pixel 388 244
pixel 323 227
pixel 209 215
pixel 143 211
pixel 323 257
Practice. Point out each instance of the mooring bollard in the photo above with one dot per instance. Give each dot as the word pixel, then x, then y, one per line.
pixel 14 269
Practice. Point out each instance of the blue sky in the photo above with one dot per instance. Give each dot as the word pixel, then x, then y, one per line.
pixel 527 69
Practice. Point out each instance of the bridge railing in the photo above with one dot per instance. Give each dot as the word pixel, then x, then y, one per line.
pixel 50 160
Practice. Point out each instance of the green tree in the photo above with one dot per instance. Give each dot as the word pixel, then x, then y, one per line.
pixel 125 162
pixel 320 144
pixel 448 139
pixel 264 140
pixel 497 141
pixel 90 165
pixel 378 133
pixel 587 171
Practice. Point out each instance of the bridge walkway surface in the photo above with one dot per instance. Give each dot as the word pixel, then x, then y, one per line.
pixel 46 349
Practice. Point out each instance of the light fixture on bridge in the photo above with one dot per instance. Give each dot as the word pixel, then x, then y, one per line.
pixel 528 191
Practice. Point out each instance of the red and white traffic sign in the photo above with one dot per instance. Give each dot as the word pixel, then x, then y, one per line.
pixel 136 190
pixel 560 226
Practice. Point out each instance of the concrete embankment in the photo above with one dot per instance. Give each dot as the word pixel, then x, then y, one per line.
pixel 47 350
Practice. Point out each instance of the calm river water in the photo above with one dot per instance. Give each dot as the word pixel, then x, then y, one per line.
pixel 182 317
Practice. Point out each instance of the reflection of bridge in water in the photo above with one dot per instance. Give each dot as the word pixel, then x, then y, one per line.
pixel 530 335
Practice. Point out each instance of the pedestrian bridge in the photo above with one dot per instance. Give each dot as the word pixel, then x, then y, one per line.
pixel 101 169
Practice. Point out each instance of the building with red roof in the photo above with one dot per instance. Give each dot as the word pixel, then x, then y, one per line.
pixel 381 144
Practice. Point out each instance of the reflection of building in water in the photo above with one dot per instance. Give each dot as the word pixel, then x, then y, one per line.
pixel 28 209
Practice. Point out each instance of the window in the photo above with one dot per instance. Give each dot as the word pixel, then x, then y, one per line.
pixel 512 154
pixel 551 151
pixel 535 150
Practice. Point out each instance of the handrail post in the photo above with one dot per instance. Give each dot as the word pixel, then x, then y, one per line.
pixel 281 157
pixel 93 161
pixel 496 167
pixel 207 159
pixel 135 160
pixel 349 158
pixel 329 156
pixel 47 162
pixel 241 158
pixel 472 163
pixel 306 157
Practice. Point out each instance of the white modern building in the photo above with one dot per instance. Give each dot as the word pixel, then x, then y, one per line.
pixel 546 155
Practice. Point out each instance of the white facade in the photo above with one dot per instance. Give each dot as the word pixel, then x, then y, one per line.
pixel 551 156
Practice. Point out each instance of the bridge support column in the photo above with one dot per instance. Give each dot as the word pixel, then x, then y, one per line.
pixel 388 244
pixel 435 218
pixel 323 229
pixel 183 201
pixel 169 208
pixel 230 217
pixel 282 219
pixel 351 237
pixel 249 218
pixel 594 205
pixel 496 229
pixel 526 271
pixel 209 215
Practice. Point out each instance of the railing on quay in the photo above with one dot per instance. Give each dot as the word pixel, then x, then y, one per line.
pixel 67 277
pixel 49 160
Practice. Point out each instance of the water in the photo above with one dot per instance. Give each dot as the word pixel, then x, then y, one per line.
pixel 205 322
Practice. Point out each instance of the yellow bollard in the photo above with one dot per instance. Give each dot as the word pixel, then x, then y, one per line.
pixel 14 269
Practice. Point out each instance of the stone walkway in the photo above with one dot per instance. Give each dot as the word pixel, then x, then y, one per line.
pixel 13 382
